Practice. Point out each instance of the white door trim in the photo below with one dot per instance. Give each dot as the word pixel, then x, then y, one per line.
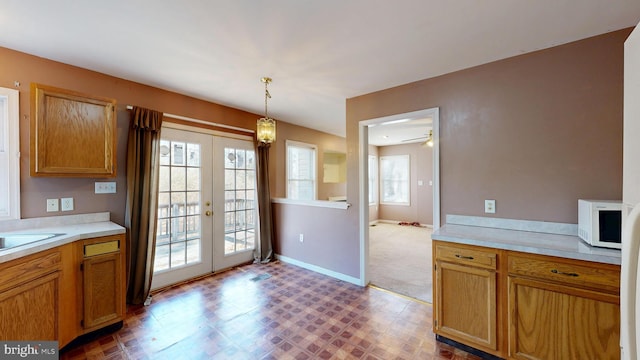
pixel 363 168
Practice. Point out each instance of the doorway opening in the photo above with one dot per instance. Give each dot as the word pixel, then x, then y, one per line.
pixel 399 208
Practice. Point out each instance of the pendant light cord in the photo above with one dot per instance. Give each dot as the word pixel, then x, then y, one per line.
pixel 266 82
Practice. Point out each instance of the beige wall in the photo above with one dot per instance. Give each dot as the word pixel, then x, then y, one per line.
pixel 328 242
pixel 535 132
pixel 420 208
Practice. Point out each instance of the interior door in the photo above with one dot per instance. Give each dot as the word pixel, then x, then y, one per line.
pixel 234 202
pixel 184 235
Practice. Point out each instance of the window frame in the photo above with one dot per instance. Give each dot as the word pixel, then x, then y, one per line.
pixel 10 153
pixel 407 181
pixel 314 148
pixel 373 178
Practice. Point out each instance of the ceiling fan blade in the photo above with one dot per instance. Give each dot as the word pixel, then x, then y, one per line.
pixel 418 138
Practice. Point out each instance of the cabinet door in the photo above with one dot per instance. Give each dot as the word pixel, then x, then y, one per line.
pixel 550 321
pixel 466 304
pixel 102 290
pixel 30 311
pixel 72 134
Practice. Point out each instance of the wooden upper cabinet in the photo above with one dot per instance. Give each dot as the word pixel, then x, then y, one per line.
pixel 72 134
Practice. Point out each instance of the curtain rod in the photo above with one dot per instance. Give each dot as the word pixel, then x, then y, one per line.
pixel 130 107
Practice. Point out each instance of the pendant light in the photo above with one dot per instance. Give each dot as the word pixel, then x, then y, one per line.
pixel 266 130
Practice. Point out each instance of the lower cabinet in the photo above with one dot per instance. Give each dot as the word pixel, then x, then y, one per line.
pixel 62 293
pixel 29 297
pixel 526 306
pixel 103 290
pixel 466 296
pixel 562 310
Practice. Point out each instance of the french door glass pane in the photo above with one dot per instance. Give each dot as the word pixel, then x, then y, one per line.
pixel 179 232
pixel 239 196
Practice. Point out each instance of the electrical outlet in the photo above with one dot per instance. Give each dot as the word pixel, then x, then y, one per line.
pixel 52 205
pixel 301 237
pixel 66 204
pixel 490 206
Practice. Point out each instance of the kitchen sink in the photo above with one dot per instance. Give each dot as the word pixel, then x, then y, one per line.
pixel 8 241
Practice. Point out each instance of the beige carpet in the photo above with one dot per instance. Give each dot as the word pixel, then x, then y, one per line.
pixel 400 260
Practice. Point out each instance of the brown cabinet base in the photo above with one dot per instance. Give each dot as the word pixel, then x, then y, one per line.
pixel 103 291
pixel 93 335
pixel 543 307
pixel 466 348
pixel 59 294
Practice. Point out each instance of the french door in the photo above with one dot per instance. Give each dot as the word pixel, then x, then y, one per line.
pixel 235 188
pixel 206 205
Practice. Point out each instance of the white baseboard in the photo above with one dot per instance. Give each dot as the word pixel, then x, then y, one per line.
pixel 318 269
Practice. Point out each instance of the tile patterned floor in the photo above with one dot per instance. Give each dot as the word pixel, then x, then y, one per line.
pixel 285 313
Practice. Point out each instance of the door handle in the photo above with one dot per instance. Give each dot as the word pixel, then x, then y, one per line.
pixel 564 273
pixel 208 212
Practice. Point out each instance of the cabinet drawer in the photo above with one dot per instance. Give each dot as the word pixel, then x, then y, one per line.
pixel 28 268
pixel 475 257
pixel 576 273
pixel 101 248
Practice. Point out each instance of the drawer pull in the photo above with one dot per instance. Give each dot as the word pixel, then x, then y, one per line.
pixel 564 273
pixel 464 257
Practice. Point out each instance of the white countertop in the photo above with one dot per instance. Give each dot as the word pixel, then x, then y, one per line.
pixel 566 246
pixel 71 228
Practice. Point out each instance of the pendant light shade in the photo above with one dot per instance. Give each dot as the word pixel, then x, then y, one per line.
pixel 266 130
pixel 266 126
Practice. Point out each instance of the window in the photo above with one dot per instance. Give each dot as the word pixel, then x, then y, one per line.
pixel 373 179
pixel 9 155
pixel 394 178
pixel 301 171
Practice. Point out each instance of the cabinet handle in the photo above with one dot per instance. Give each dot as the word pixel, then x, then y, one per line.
pixel 464 257
pixel 564 273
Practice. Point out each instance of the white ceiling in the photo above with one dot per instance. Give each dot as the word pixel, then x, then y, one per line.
pixel 406 130
pixel 319 53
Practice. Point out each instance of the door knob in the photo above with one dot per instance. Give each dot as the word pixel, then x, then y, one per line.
pixel 208 212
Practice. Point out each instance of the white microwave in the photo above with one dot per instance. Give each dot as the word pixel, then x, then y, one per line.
pixel 600 223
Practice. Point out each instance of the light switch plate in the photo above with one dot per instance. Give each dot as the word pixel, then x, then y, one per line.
pixel 66 204
pixel 490 206
pixel 52 205
pixel 105 187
